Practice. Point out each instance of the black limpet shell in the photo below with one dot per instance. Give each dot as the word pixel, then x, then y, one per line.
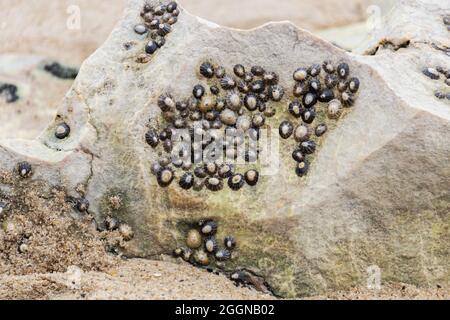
pixel 326 95
pixel 220 72
pixel 227 82
pixel 165 176
pixel 321 129
pixel 243 86
pixel 223 255
pixel 297 155
pixel 207 70
pixel 229 242
pixel 328 67
pixel 62 131
pixel 347 99
pixel 309 115
pixel 82 204
pixel 314 70
pixel 251 177
pixel 208 227
pixel 236 181
pixel 431 73
pixel 258 120
pixel 214 90
pixel 353 85
pixel 198 91
pixel 330 81
pixel 176 12
pixel 301 168
pixel 211 168
pixel 168 145
pixel 309 100
pixel 159 10
pixel 248 77
pixel 152 138
pixel 276 92
pixel 307 147
pixel 286 129
pixel 257 70
pixel 301 74
pixel 160 41
pixel 300 88
pixel 151 47
pixel 214 183
pixel 342 86
pixel 155 167
pixel 314 85
pixel 166 102
pixel 239 70
pixel 225 171
pixel 187 181
pixel 343 70
pixel 271 78
pixel 251 102
pixel 439 95
pixel 171 6
pixel 211 245
pixel 258 86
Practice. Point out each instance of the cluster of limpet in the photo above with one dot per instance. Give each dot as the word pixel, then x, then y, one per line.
pixel 439 74
pixel 223 120
pixel 9 91
pixel 202 247
pixel 158 22
pixel 325 85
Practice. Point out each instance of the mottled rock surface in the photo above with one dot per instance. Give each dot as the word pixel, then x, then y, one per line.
pixel 377 192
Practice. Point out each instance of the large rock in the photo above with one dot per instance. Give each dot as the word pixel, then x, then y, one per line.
pixel 377 192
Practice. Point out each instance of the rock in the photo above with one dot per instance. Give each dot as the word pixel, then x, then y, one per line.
pixel 376 193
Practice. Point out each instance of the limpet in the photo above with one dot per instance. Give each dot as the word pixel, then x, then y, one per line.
pixel 251 177
pixel 214 183
pixel 211 244
pixel 343 70
pixel 276 92
pixel 286 129
pixel 236 181
pixel 309 115
pixel 62 131
pixel 24 169
pixel 321 129
pixel 239 70
pixel 301 168
pixel 207 70
pixel 431 73
pixel 297 155
pixel 301 74
pixel 334 109
pixel 165 176
pixel 307 147
pixel 194 239
pixel 229 242
pixel 301 133
pixel 223 254
pixel 209 227
pixel 187 181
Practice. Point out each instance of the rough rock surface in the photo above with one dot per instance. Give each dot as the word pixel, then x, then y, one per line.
pixel 378 189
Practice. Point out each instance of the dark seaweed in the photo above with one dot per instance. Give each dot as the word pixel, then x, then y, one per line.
pixel 60 71
pixel 9 91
